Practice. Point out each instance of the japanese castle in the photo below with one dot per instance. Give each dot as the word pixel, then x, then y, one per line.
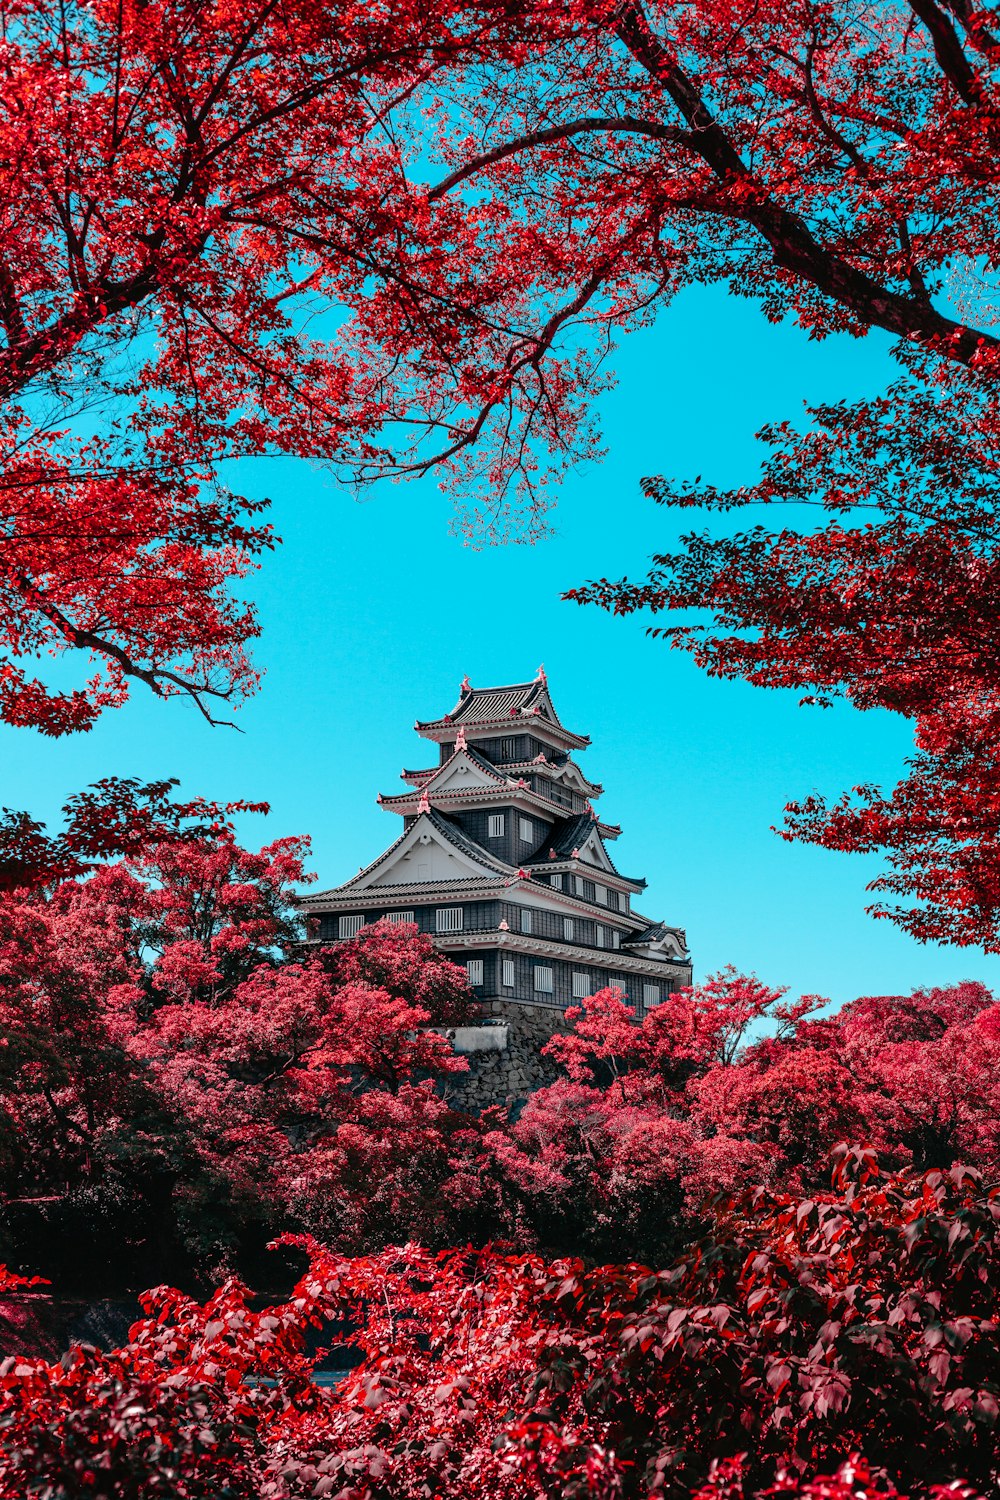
pixel 504 862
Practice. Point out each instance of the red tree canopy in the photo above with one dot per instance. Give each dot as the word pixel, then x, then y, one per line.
pixel 456 189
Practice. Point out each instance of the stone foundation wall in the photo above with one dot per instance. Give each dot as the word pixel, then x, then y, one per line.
pixel 507 1077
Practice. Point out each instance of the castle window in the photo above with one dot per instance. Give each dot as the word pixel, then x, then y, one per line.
pixel 527 830
pixel 508 973
pixel 349 927
pixel 397 918
pixel 496 825
pixel 651 994
pixel 508 749
pixel 448 919
pixel 557 882
pixel 616 939
pixel 581 986
pixel 475 970
pixel 543 979
pixel 525 920
pixel 568 929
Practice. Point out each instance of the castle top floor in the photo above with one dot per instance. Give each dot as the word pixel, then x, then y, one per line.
pixel 523 709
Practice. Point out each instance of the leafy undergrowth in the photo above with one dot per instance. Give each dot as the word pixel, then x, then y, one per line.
pixel 838 1347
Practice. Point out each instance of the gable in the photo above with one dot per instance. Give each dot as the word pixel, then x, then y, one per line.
pixel 667 946
pixel 422 854
pixel 543 707
pixel 593 852
pixel 463 773
pixel 572 777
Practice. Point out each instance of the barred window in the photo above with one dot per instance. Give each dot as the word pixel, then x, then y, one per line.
pixel 508 973
pixel 397 918
pixel 508 749
pixel 496 825
pixel 581 986
pixel 448 919
pixel 568 929
pixel 651 994
pixel 543 979
pixel 350 926
pixel 475 971
pixel 557 882
pixel 525 919
pixel 527 830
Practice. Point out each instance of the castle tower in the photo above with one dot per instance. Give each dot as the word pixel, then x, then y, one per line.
pixel 503 861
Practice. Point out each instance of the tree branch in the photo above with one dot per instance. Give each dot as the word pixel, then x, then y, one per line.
pixel 793 245
pixel 590 124
pixel 153 677
pixel 948 50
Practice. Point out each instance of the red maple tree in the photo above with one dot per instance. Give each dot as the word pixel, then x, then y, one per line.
pixel 184 191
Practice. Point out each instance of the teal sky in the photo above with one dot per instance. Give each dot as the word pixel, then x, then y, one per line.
pixel 372 612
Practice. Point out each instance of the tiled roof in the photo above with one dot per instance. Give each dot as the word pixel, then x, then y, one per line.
pixel 521 705
pixel 428 778
pixel 554 762
pixel 569 834
pixel 376 894
pixel 483 764
pixel 654 933
pixel 651 934
pixel 495 703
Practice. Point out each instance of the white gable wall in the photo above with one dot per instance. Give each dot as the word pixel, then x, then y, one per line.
pixel 423 854
pixel 460 774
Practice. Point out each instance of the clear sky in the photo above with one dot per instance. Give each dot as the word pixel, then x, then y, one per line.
pixel 372 613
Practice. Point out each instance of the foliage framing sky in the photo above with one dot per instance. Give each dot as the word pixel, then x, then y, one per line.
pixel 372 612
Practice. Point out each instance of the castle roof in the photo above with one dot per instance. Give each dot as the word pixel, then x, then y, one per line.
pixel 575 838
pixel 484 705
pixel 449 831
pixel 651 934
pixel 519 704
pixel 511 773
pixel 658 936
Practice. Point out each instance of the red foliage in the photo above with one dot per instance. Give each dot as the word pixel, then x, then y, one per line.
pixel 176 1071
pixel 458 189
pixel 617 1158
pixel 890 603
pixel 796 1335
pixel 172 1056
